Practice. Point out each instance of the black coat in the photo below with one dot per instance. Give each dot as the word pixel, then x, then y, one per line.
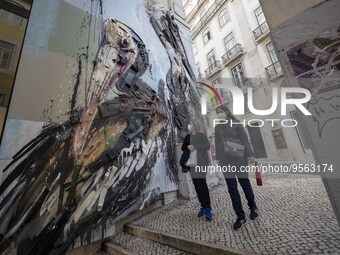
pixel 235 133
pixel 201 143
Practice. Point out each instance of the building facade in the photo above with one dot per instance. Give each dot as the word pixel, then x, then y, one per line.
pixel 232 44
pixel 13 22
pixel 306 36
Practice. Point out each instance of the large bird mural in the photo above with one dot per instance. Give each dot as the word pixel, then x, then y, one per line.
pixel 85 172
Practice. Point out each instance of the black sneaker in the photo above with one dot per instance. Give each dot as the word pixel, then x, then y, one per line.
pixel 254 214
pixel 240 222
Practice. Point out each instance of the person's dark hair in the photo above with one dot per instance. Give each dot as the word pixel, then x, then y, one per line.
pixel 225 109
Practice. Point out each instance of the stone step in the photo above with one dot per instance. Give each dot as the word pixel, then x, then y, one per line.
pixel 113 249
pixel 126 244
pixel 185 244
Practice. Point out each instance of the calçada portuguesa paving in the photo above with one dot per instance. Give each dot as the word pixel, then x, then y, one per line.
pixel 296 217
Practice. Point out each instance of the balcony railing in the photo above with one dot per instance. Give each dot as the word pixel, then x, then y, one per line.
pixel 273 70
pixel 261 30
pixel 206 17
pixel 213 68
pixel 232 53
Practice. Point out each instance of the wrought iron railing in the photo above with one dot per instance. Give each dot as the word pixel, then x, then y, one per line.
pixel 261 30
pixel 273 70
pixel 232 53
pixel 212 68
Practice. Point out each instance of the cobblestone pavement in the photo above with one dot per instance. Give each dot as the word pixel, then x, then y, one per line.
pixel 295 218
pixel 144 247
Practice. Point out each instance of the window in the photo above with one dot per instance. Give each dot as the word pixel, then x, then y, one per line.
pixel 259 16
pixel 223 17
pixel 229 41
pixel 6 55
pixel 198 69
pixel 276 67
pixel 10 17
pixel 238 75
pixel 272 53
pixel 206 35
pixel 211 58
pixel 194 48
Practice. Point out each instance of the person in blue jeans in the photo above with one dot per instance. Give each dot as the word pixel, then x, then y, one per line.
pixel 236 133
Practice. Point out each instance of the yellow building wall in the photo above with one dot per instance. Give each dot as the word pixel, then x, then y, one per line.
pixel 14 35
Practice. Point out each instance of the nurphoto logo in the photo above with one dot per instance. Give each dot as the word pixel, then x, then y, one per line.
pixel 238 102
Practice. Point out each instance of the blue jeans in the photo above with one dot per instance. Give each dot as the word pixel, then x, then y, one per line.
pixel 235 195
pixel 245 184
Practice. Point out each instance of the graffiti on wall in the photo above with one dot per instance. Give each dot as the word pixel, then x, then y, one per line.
pixel 316 62
pixel 324 110
pixel 76 178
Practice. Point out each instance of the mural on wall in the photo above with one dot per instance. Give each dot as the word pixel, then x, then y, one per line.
pixel 76 178
pixel 316 64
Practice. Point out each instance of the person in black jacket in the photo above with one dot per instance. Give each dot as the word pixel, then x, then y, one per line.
pixel 198 141
pixel 237 134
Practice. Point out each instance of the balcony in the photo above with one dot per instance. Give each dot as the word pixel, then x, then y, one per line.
pixel 261 32
pixel 212 69
pixel 206 17
pixel 274 71
pixel 232 54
